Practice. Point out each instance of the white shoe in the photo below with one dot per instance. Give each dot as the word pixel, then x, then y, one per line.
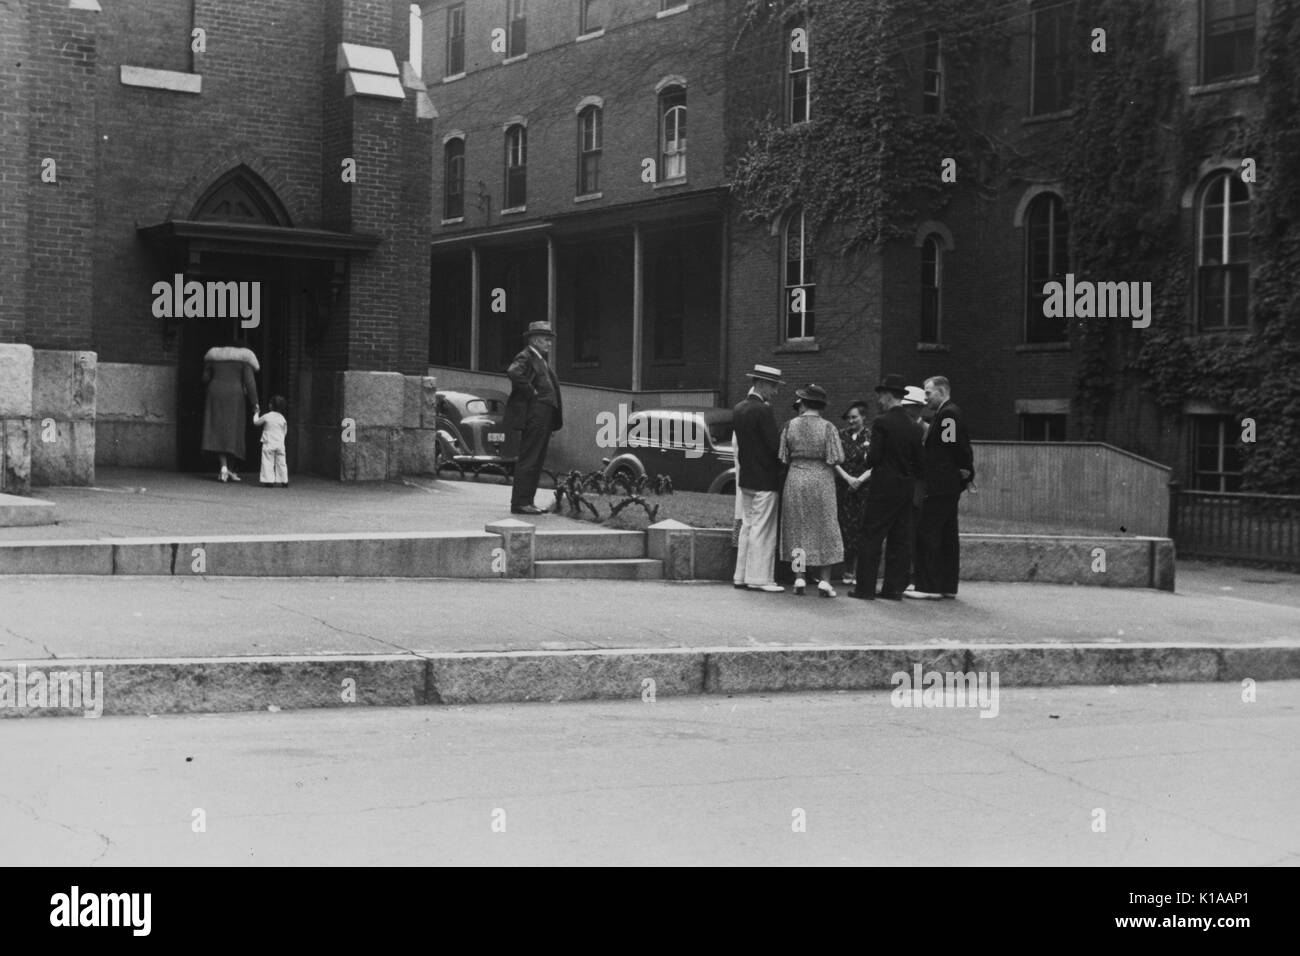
pixel 920 595
pixel 799 585
pixel 769 588
pixel 824 589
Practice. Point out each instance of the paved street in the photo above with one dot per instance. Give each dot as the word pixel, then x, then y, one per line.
pixel 1186 774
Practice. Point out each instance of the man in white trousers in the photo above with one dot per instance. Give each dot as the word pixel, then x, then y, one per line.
pixel 758 480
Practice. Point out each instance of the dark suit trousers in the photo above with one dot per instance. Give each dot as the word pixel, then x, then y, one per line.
pixel 532 453
pixel 888 525
pixel 938 554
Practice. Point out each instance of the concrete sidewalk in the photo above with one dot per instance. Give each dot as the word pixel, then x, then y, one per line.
pixel 177 645
pixel 137 503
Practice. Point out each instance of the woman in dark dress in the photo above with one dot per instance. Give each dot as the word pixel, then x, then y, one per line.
pixel 851 497
pixel 228 373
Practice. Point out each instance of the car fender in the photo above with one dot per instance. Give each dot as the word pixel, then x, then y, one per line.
pixel 725 483
pixel 629 460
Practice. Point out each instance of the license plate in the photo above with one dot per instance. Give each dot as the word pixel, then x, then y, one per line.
pixel 496 436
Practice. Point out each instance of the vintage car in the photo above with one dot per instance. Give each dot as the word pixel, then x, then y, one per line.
pixel 691 445
pixel 472 437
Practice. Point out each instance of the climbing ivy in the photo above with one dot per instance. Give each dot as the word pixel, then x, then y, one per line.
pixel 868 161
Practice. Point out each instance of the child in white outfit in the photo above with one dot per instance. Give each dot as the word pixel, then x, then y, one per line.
pixel 275 467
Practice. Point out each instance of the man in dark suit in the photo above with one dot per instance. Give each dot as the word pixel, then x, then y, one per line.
pixel 894 461
pixel 949 468
pixel 535 407
pixel 758 477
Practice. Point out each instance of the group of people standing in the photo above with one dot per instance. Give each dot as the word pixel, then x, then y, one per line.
pixel 820 496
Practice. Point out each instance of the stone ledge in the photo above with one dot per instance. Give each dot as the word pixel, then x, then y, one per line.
pixel 16 512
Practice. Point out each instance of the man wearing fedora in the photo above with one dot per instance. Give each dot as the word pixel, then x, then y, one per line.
pixel 895 459
pixel 535 408
pixel 758 476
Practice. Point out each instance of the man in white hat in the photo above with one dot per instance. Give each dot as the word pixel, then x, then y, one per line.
pixel 535 408
pixel 758 476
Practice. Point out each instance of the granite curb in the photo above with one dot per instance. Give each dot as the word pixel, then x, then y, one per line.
pixel 226 685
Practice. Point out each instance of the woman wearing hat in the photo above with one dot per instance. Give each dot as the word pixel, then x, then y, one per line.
pixel 851 492
pixel 810 445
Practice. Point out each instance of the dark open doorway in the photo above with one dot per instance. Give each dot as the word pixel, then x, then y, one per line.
pixel 269 341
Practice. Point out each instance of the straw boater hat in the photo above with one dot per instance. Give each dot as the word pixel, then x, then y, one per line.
pixel 894 384
pixel 914 396
pixel 765 373
pixel 540 328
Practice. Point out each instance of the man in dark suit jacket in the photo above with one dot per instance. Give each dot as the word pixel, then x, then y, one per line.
pixel 758 478
pixel 535 407
pixel 949 468
pixel 894 461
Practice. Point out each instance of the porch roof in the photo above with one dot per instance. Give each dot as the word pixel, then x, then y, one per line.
pixel 189 237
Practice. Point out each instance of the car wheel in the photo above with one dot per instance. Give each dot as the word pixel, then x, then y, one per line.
pixel 494 471
pixel 451 470
pixel 623 478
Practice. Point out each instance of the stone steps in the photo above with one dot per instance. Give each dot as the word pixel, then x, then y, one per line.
pixel 609 569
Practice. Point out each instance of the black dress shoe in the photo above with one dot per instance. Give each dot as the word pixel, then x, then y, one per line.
pixel 861 596
pixel 527 510
pixel 891 595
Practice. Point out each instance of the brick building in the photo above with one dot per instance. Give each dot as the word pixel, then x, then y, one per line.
pixel 518 161
pixel 212 139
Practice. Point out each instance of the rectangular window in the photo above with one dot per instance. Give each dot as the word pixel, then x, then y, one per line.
pixel 1224 271
pixel 800 314
pixel 516 28
pixel 590 144
pixel 931 287
pixel 1054 40
pixel 932 82
pixel 1216 459
pixel 1046 237
pixel 516 168
pixel 799 74
pixel 456 40
pixel 672 107
pixel 1042 428
pixel 454 179
pixel 1227 39
pixel 593 17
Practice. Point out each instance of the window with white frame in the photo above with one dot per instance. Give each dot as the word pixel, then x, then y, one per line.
pixel 798 82
pixel 516 28
pixel 672 133
pixel 1223 254
pixel 593 15
pixel 931 287
pixel 1216 456
pixel 590 144
pixel 1227 39
pixel 455 40
pixel 799 279
pixel 453 179
pixel 932 76
pixel 516 167
pixel 1047 231
pixel 1054 41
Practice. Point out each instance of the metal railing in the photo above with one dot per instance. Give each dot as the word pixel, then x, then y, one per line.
pixel 1242 525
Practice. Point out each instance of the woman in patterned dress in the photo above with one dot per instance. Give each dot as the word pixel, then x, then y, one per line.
pixel 850 491
pixel 810 445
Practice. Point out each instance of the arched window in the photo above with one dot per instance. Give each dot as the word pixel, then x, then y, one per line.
pixel 516 167
pixel 799 277
pixel 590 143
pixel 672 133
pixel 798 82
pixel 453 179
pixel 1223 253
pixel 1047 231
pixel 931 287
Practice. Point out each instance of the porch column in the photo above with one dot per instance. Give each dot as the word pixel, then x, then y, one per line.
pixel 638 317
pixel 473 308
pixel 550 292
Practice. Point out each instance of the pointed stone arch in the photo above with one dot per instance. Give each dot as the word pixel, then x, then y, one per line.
pixel 241 196
pixel 266 177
